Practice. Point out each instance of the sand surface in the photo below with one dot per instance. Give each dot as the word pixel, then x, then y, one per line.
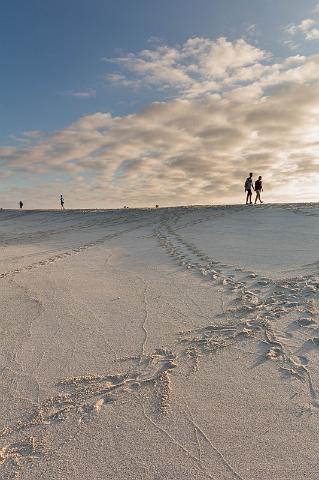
pixel 177 343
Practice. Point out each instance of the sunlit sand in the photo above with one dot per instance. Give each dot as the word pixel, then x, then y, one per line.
pixel 178 343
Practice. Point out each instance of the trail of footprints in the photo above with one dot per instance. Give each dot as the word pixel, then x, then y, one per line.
pixel 252 305
pixel 82 398
pixel 60 256
pixel 255 305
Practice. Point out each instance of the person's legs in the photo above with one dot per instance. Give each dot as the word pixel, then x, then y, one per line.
pixel 258 197
pixel 248 198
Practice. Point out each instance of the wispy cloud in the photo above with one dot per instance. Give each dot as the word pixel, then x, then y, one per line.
pixel 252 33
pixel 30 136
pixel 80 94
pixel 120 80
pixel 33 134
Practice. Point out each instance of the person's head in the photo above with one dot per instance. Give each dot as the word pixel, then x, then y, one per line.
pixel 260 177
pixel 251 174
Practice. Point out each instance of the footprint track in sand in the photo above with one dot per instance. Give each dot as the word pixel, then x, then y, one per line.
pixel 258 304
pixel 260 301
pixel 82 398
pixel 73 251
pixel 147 376
pixel 14 455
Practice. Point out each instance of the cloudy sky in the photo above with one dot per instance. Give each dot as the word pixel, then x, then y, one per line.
pixel 172 102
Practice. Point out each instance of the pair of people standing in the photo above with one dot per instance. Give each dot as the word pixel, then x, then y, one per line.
pixel 249 187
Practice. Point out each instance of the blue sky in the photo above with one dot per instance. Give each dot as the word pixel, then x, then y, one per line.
pixel 66 60
pixel 55 46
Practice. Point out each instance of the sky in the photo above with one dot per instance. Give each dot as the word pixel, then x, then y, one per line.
pixel 169 102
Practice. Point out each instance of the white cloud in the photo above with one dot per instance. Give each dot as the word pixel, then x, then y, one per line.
pixel 202 67
pixel 291 45
pixel 308 29
pixel 33 133
pixel 235 110
pixel 80 94
pixel 159 66
pixel 199 61
pixel 29 136
pixel 121 80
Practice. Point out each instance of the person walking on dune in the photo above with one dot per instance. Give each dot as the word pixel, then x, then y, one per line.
pixel 62 202
pixel 258 189
pixel 249 188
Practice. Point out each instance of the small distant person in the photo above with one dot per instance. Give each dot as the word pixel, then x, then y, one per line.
pixel 62 202
pixel 249 188
pixel 258 189
pixel 21 204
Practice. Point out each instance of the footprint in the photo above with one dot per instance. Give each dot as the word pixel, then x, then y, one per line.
pixel 303 359
pixel 252 275
pixel 311 344
pixel 305 322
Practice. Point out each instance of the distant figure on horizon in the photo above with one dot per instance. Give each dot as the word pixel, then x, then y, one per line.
pixel 258 189
pixel 62 202
pixel 249 188
pixel 21 204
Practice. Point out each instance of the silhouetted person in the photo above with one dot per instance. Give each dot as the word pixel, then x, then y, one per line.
pixel 21 204
pixel 249 188
pixel 258 189
pixel 62 202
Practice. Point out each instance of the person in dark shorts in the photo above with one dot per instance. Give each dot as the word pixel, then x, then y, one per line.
pixel 258 189
pixel 21 204
pixel 62 202
pixel 249 188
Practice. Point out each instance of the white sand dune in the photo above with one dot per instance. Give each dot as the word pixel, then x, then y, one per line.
pixel 178 343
